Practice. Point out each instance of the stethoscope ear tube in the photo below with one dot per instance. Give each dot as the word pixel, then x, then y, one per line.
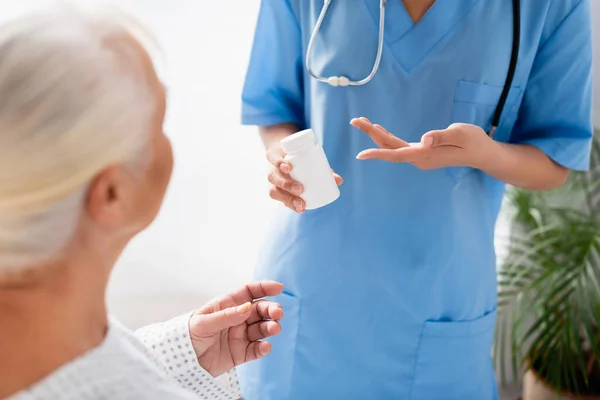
pixel 512 67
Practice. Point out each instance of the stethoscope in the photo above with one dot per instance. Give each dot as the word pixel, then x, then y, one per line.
pixel 345 81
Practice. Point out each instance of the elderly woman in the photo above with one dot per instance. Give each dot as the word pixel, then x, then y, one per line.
pixel 84 165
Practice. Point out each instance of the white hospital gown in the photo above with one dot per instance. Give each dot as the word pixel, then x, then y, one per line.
pixel 155 363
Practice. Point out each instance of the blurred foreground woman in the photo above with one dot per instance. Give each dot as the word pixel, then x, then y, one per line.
pixel 84 165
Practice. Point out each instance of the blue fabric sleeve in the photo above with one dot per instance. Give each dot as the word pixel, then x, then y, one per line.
pixel 273 90
pixel 556 113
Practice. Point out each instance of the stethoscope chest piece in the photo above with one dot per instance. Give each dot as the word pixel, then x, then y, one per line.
pixel 338 81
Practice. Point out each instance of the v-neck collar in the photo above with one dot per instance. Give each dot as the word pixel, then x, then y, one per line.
pixel 410 42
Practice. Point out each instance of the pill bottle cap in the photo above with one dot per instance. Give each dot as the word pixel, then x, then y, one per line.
pixel 298 140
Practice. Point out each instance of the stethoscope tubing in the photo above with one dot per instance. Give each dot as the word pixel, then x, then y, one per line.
pixel 344 81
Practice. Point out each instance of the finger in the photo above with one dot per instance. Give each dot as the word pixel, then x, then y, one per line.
pixel 385 131
pixel 294 203
pixel 285 182
pixel 338 179
pixel 262 330
pixel 397 141
pixel 248 293
pixel 265 310
pixel 257 290
pixel 256 350
pixel 210 324
pixel 276 157
pixel 378 154
pixel 406 154
pixel 378 134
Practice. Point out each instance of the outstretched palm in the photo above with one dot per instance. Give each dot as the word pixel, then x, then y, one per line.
pixel 228 331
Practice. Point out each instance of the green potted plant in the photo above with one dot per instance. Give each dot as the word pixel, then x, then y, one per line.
pixel 549 290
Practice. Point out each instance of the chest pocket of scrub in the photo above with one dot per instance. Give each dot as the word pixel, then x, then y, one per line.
pixel 475 103
pixel 454 360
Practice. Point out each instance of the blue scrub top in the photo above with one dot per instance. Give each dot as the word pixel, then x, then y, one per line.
pixel 391 290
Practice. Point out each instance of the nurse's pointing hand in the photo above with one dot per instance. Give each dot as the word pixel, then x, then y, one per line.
pixel 284 188
pixel 458 145
pixel 380 135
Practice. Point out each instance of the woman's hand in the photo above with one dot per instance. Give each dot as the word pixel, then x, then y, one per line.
pixel 458 145
pixel 284 188
pixel 228 331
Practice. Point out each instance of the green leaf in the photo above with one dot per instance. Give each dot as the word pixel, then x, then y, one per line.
pixel 578 356
pixel 549 286
pixel 500 347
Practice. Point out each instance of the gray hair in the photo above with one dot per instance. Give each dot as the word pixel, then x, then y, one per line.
pixel 74 99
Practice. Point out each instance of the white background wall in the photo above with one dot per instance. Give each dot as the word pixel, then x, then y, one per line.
pixel 207 236
pixel 209 231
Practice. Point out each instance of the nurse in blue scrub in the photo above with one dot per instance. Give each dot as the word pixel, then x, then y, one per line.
pixel 391 290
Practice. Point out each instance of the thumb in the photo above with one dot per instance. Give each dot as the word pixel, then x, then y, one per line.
pixel 338 179
pixel 275 156
pixel 435 139
pixel 224 319
pixel 454 135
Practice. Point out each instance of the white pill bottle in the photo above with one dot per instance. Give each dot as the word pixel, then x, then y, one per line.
pixel 311 169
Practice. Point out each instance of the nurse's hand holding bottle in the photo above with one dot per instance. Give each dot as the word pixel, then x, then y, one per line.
pixel 283 187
